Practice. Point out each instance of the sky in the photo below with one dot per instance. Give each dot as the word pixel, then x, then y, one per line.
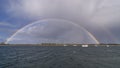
pixel 100 18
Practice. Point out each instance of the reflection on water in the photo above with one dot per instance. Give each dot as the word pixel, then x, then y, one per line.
pixel 59 57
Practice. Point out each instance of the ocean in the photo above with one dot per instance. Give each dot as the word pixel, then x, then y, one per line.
pixel 59 57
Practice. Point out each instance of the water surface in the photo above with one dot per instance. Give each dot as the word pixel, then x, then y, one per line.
pixel 59 57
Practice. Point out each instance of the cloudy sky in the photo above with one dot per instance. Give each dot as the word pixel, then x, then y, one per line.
pixel 98 18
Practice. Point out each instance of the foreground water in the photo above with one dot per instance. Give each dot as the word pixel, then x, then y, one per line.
pixel 59 57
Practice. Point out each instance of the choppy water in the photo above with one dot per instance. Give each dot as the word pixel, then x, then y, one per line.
pixel 59 57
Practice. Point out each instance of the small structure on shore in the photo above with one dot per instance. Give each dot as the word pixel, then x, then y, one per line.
pixel 65 45
pixel 74 45
pixel 108 45
pixel 84 45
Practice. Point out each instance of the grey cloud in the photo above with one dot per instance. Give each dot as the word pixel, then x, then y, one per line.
pixel 95 11
pixel 91 14
pixel 99 12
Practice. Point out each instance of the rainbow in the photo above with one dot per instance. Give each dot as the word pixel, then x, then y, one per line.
pixel 9 39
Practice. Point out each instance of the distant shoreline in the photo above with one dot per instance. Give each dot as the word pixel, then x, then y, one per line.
pixel 59 44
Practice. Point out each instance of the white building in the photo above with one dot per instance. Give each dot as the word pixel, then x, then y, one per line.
pixel 84 45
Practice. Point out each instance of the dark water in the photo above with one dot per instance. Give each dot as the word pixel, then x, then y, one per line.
pixel 59 57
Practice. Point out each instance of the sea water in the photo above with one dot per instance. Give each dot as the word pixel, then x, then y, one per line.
pixel 59 57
